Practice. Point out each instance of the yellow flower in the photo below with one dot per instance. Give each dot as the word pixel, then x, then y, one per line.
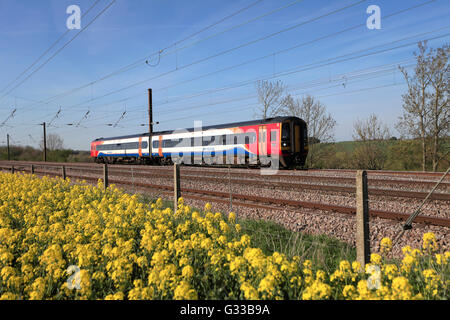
pixel 401 289
pixel 126 249
pixel 348 291
pixel 385 245
pixel 429 242
pixel 245 240
pixel 356 266
pixel 317 291
pixel 250 292
pixel 296 281
pixel 307 264
pixel 184 292
pixel 9 296
pixel 408 262
pixel 117 296
pixel 235 264
pixel 320 275
pixel 375 259
pixel 266 286
pixel 390 270
pixel 187 271
pixel 344 266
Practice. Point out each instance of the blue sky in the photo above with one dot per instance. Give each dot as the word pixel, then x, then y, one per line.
pixel 353 73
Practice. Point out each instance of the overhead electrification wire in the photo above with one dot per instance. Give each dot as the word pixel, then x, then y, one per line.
pixel 11 115
pixel 357 75
pixel 223 52
pixel 295 47
pixel 48 50
pixel 326 62
pixel 234 27
pixel 330 61
pixel 304 44
pixel 227 51
pixel 59 50
pixel 260 58
pixel 402 11
pixel 138 62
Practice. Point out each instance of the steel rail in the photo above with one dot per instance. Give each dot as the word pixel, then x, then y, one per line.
pixel 427 220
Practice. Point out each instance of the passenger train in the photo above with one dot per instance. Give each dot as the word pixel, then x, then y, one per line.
pixel 250 143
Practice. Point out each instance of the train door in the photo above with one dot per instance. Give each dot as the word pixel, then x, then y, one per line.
pixel 297 137
pixel 262 141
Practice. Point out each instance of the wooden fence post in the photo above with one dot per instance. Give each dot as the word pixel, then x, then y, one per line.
pixel 176 186
pixel 12 169
pixel 63 172
pixel 105 175
pixel 362 219
pixel 32 169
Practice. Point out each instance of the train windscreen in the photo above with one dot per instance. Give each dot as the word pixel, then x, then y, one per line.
pixel 285 134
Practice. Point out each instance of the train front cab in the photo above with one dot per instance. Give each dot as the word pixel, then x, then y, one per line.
pixel 294 142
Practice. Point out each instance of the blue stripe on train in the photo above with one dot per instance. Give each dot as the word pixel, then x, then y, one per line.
pixel 121 154
pixel 166 154
pixel 206 152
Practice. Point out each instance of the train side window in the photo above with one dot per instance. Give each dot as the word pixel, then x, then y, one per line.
pixel 250 137
pixel 273 136
pixel 155 144
pixel 235 139
pixel 208 140
pixel 130 145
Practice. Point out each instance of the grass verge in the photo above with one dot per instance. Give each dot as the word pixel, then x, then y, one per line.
pixel 323 251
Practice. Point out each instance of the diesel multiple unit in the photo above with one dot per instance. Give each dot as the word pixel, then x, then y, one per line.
pixel 259 142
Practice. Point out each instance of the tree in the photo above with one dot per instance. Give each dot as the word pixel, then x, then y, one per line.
pixel 438 103
pixel 320 124
pixel 54 142
pixel 415 119
pixel 370 129
pixel 371 134
pixel 270 96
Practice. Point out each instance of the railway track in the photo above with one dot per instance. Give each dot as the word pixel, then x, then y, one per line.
pixel 327 172
pixel 266 183
pixel 250 201
pixel 209 171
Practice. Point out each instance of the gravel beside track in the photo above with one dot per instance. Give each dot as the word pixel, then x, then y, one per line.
pixel 314 221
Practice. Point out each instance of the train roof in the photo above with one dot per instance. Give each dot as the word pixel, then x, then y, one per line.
pixel 218 126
